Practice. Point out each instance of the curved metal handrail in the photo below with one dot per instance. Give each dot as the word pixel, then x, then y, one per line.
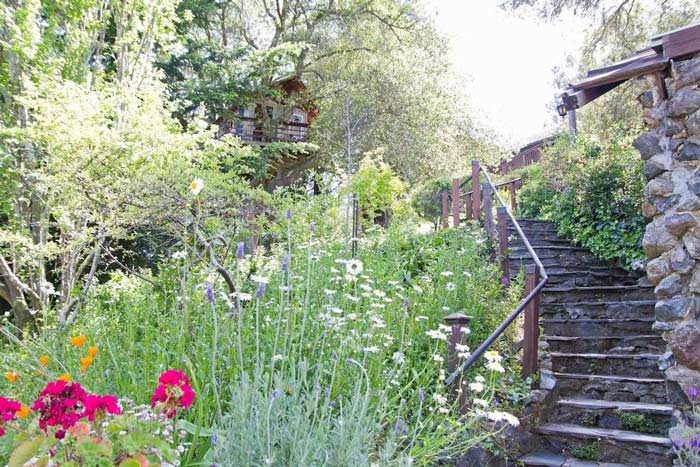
pixel 523 303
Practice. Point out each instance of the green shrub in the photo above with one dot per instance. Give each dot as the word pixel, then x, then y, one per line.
pixel 593 192
pixel 426 200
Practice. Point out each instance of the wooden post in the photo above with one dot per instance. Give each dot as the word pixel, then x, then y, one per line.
pixel 456 321
pixel 502 214
pixel 488 213
pixel 531 325
pixel 468 205
pixel 475 191
pixel 512 192
pixel 455 202
pixel 445 210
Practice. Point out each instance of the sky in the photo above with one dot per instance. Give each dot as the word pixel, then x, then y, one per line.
pixel 508 61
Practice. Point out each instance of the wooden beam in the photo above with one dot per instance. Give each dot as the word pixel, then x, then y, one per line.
pixel 681 43
pixel 455 202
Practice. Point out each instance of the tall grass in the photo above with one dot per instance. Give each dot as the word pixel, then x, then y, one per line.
pixel 306 364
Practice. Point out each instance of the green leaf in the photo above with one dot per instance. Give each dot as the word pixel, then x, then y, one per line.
pixel 193 429
pixel 130 462
pixel 25 451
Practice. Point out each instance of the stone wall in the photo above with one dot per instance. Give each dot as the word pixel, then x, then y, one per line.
pixel 671 150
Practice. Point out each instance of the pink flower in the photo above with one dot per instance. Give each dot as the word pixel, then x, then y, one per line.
pixel 8 409
pixel 61 403
pixel 98 406
pixel 8 412
pixel 173 392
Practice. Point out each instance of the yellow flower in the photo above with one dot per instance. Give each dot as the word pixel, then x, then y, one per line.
pixel 23 412
pixel 196 186
pixel 64 377
pixel 77 341
pixel 92 351
pixel 12 376
pixel 44 360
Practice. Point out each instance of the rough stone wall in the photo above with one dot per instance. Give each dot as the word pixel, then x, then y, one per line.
pixel 671 150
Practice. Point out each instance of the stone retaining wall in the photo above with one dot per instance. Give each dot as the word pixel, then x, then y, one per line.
pixel 671 150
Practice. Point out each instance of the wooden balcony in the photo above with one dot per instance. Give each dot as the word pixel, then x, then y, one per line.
pixel 253 131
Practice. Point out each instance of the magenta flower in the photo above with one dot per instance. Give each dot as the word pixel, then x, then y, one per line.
pixel 61 404
pixel 97 406
pixel 173 392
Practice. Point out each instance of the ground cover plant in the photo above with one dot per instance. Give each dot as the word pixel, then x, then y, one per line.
pixel 316 358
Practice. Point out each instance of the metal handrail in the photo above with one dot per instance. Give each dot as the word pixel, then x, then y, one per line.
pixel 523 303
pixel 498 185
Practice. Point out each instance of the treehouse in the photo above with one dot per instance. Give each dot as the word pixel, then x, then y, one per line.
pixel 282 117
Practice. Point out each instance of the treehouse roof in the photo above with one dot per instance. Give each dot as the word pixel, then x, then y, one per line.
pixel 678 44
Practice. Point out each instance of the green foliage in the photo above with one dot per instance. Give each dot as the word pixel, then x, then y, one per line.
pixel 377 188
pixel 642 423
pixel 426 199
pixel 593 192
pixel 588 450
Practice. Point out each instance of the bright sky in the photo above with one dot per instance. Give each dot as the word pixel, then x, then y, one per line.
pixel 508 60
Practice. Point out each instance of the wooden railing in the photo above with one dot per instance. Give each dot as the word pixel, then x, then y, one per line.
pixel 478 205
pixel 520 160
pixel 253 130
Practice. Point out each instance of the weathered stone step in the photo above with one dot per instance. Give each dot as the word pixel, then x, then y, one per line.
pixel 638 365
pixel 606 293
pixel 619 415
pixel 650 343
pixel 536 224
pixel 554 258
pixel 543 239
pixel 611 387
pixel 597 327
pixel 549 459
pixel 585 278
pixel 599 309
pixel 631 447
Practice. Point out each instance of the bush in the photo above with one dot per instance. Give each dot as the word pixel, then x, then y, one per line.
pixel 593 192
pixel 426 201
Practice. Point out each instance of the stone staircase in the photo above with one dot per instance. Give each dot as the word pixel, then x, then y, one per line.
pixel 610 407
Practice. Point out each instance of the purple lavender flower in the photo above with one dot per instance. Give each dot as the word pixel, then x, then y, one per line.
pixel 693 392
pixel 275 393
pixel 505 282
pixel 421 395
pixel 214 440
pixel 240 250
pixel 313 227
pixel 210 293
pixel 332 404
pixel 335 356
pixel 406 303
pixel 288 214
pixel 260 291
pixel 328 392
pixel 285 263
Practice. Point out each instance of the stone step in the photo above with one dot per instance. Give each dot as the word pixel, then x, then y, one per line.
pixel 584 327
pixel 605 293
pixel 650 343
pixel 549 459
pixel 543 239
pixel 585 278
pixel 610 387
pixel 631 447
pixel 536 224
pixel 634 416
pixel 559 257
pixel 638 365
pixel 599 309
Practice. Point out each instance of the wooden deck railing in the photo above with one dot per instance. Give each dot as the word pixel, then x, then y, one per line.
pixel 520 160
pixel 535 274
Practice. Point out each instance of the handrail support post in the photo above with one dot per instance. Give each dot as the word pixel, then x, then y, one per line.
pixel 531 325
pixel 457 323
pixel 502 214
pixel 475 191
pixel 488 210
pixel 455 202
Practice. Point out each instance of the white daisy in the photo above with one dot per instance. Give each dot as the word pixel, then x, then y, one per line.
pixel 196 186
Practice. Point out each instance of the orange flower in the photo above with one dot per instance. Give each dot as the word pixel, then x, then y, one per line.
pixel 78 341
pixel 92 351
pixel 23 412
pixel 85 363
pixel 64 377
pixel 12 376
pixel 44 360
